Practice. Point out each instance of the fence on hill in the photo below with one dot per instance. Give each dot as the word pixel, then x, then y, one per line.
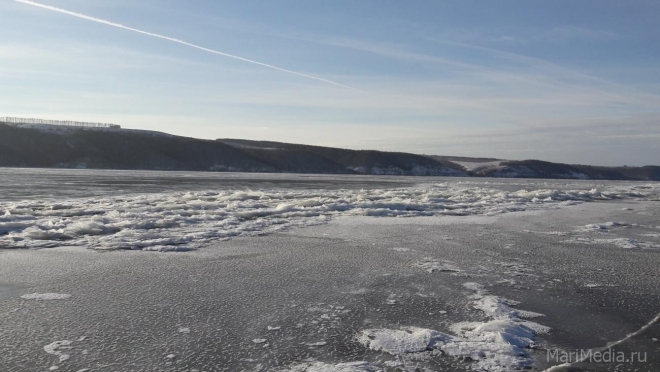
pixel 13 120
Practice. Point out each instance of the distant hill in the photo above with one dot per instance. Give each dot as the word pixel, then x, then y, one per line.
pixel 286 155
pixel 491 167
pixel 117 149
pixel 463 159
pixel 544 169
pixel 49 146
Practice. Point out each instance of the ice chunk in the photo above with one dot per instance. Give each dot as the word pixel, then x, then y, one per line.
pixel 195 219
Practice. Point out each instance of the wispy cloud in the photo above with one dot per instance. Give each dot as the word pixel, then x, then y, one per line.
pixel 81 54
pixel 557 34
pixel 388 50
pixel 516 79
pixel 117 25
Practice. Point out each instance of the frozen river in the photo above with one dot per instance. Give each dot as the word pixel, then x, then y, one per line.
pixel 324 273
pixel 54 184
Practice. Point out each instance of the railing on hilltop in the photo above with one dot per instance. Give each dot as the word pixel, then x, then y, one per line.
pixel 13 120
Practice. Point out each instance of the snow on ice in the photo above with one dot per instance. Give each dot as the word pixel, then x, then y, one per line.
pixel 46 296
pixel 498 344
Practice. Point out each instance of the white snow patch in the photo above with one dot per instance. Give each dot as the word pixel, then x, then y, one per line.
pixel 478 166
pixel 46 296
pixel 499 344
pixel 402 341
pixel 432 265
pixel 316 344
pixel 604 227
pixel 497 308
pixel 56 347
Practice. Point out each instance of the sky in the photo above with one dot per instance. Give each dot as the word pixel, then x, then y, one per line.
pixel 565 81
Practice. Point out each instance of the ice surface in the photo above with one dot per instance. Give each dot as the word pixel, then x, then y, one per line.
pixel 248 285
pixel 341 367
pixel 180 221
pixel 627 243
pixel 46 296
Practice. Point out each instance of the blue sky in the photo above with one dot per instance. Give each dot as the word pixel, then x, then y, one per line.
pixel 568 81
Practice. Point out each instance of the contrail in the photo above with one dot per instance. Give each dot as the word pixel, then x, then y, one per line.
pixel 113 24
